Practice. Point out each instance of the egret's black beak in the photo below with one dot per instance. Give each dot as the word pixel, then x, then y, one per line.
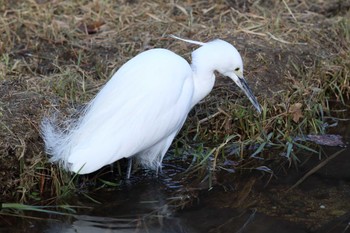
pixel 244 86
pixel 238 78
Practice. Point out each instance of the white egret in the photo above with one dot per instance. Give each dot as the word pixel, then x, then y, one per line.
pixel 142 107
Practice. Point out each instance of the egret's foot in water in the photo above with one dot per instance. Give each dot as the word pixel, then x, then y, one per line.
pixel 128 171
pixel 159 171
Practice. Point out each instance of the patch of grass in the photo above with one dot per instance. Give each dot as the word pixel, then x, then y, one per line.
pixel 302 110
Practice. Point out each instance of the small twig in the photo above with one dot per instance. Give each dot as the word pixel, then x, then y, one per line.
pixel 209 117
pixel 289 10
pixel 251 32
pixel 283 41
pixel 346 228
pixel 223 112
pixel 315 169
pixel 249 220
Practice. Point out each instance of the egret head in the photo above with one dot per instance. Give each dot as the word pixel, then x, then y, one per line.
pixel 223 57
pixel 229 63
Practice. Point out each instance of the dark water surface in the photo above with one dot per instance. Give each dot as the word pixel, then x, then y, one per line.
pixel 148 206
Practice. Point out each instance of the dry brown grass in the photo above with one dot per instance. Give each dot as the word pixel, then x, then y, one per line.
pixel 57 55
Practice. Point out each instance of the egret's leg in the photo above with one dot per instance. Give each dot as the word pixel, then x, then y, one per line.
pixel 159 170
pixel 152 157
pixel 112 167
pixel 128 171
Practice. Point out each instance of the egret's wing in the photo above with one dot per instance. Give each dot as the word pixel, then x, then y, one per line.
pixel 144 102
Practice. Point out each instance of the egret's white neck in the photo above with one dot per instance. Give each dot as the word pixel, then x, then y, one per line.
pixel 204 79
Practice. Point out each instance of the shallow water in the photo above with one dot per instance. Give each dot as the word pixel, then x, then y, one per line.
pixel 146 207
pixel 320 204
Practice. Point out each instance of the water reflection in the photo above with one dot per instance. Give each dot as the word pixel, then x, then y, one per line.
pixel 93 224
pixel 143 207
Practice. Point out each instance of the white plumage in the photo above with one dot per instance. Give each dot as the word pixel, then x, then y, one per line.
pixel 142 107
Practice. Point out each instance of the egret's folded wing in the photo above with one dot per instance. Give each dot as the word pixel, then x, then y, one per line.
pixel 144 102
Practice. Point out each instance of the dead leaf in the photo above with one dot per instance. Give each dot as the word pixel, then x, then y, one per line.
pixel 296 112
pixel 92 27
pixel 326 139
pixel 41 1
pixel 58 24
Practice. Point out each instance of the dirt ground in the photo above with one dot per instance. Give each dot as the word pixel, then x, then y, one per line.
pixel 55 55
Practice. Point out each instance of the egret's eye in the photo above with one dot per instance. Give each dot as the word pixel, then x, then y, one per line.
pixel 237 69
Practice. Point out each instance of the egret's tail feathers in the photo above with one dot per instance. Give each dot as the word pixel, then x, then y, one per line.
pixel 188 41
pixel 56 140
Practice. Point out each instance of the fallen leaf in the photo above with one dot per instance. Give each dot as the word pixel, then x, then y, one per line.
pixel 264 169
pixel 326 139
pixel 295 111
pixel 91 28
pixel 41 1
pixel 58 24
